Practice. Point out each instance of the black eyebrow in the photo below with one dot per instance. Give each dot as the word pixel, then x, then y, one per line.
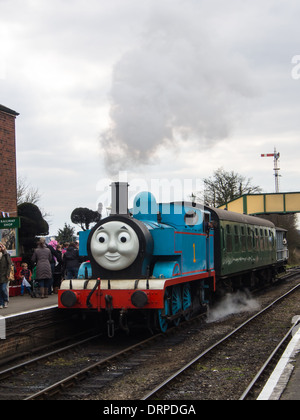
pixel 100 228
pixel 124 227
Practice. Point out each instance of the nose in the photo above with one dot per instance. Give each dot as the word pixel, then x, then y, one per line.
pixel 112 245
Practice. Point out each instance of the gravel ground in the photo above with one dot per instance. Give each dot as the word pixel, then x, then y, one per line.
pixel 223 376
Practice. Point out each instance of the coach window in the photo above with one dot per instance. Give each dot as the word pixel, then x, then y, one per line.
pixel 249 239
pixel 266 239
pixel 236 238
pixel 222 233
pixel 256 239
pixel 243 239
pixel 262 241
pixel 229 245
pixel 272 239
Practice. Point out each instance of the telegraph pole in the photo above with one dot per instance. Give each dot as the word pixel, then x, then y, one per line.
pixel 276 156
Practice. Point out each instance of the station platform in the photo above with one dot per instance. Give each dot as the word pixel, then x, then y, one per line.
pixel 284 382
pixel 23 308
pixel 20 304
pixel 292 390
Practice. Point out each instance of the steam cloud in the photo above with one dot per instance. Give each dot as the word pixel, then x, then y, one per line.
pixel 233 304
pixel 178 84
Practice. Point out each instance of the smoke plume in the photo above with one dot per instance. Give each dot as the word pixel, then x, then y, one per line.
pixel 178 84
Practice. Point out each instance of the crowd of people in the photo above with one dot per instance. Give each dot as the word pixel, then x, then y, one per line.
pixel 50 263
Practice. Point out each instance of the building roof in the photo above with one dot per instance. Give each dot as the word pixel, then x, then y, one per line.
pixel 8 111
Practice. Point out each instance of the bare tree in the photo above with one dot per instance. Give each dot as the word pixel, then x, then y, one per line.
pixel 26 193
pixel 224 186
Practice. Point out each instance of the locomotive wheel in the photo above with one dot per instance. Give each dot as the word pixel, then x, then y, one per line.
pixel 176 303
pixel 186 299
pixel 162 322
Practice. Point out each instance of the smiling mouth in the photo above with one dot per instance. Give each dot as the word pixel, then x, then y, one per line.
pixel 112 257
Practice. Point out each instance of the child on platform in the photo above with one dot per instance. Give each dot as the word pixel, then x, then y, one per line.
pixel 25 276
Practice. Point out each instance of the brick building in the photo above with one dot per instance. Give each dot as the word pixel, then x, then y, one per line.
pixel 8 176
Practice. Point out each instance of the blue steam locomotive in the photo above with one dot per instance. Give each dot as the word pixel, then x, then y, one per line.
pixel 165 261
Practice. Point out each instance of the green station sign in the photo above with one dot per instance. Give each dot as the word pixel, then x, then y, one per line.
pixel 10 222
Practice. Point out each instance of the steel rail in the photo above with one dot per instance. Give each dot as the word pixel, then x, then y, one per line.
pixel 267 362
pixel 6 372
pixel 68 381
pixel 214 346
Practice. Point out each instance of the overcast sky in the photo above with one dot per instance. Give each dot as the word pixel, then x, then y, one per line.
pixel 157 89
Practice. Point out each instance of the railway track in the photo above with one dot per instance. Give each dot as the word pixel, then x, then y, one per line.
pixel 20 380
pixel 95 376
pixel 269 363
pixel 94 370
pixel 83 374
pixel 231 340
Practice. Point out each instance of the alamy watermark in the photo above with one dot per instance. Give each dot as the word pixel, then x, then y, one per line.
pixel 296 69
pixel 164 190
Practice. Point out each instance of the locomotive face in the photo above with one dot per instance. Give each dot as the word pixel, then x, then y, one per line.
pixel 114 245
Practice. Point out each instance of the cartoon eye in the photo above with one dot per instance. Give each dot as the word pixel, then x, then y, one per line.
pixel 124 237
pixel 102 238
